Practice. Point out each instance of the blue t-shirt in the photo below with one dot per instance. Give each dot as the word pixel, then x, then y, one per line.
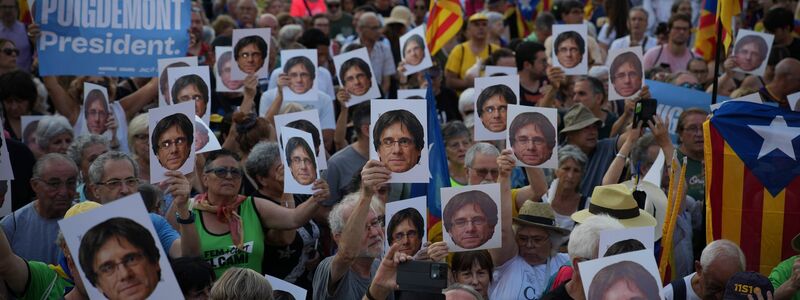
pixel 32 237
pixel 166 234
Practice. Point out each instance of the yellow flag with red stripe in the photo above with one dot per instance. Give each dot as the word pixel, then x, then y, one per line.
pixel 444 22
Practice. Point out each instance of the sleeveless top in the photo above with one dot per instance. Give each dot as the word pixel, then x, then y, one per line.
pixel 218 249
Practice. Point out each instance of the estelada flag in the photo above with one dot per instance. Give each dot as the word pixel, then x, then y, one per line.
pixel 753 180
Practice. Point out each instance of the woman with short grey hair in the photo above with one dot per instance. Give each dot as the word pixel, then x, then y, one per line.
pixel 564 193
pixel 54 134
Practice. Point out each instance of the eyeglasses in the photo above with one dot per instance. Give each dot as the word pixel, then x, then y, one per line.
pixel 483 172
pixel 11 51
pixel 491 109
pixel 631 75
pixel 254 55
pixel 302 75
pixel 524 140
pixel 408 234
pixel 304 161
pixel 117 183
pixel 536 240
pixel 129 261
pixel 98 113
pixel 168 143
pixel 375 223
pixel 463 223
pixel 402 142
pixel 223 172
pixel 57 184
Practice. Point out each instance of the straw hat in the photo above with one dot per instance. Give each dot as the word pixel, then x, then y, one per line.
pixel 615 200
pixel 539 214
pixel 80 208
pixel 578 117
pixel 399 15
pixel 655 205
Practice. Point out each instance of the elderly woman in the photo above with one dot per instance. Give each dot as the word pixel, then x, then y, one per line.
pixel 54 134
pixel 229 220
pixel 563 195
pixel 138 137
pixel 288 36
pixel 457 139
pixel 528 256
pixel 241 283
pixel 265 167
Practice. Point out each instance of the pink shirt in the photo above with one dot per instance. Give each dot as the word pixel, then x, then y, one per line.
pixel 661 54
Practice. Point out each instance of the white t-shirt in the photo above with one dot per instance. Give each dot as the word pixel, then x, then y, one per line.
pixel 690 295
pixel 122 126
pixel 323 81
pixel 625 42
pixel 323 105
pixel 516 279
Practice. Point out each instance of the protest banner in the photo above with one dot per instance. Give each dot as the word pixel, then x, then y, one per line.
pixel 673 100
pixel 89 37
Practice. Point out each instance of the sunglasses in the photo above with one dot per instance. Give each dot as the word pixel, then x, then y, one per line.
pixel 11 51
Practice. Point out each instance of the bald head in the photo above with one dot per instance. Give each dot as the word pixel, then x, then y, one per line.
pixel 786 80
pixel 367 18
pixel 269 21
pixel 786 66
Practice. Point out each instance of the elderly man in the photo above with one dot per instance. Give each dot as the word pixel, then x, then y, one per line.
pixel 246 13
pixel 719 261
pixel 785 82
pixel 590 92
pixel 357 228
pixel 584 242
pixel 638 37
pixel 33 228
pixel 529 253
pixel 114 175
pixel 269 21
pixel 83 151
pixel 380 55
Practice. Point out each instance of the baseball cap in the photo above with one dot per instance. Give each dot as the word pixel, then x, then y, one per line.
pixel 478 16
pixel 743 284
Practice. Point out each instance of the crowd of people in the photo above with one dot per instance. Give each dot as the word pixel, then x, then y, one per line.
pixel 230 222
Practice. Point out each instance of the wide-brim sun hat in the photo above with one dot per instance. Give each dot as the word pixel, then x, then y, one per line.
pixel 615 200
pixel 578 117
pixel 539 214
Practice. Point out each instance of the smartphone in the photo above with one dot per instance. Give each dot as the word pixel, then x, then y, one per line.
pixel 644 110
pixel 422 276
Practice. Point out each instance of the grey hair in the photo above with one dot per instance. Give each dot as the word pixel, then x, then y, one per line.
pixel 455 129
pixel 49 127
pixel 572 152
pixel 585 237
pixel 494 17
pixel 362 20
pixel 722 249
pixel 75 150
pixel 96 170
pixel 639 152
pixel 288 34
pixel 262 159
pixel 135 126
pixel 336 217
pixel 641 9
pixel 463 287
pixel 482 148
pixel 46 159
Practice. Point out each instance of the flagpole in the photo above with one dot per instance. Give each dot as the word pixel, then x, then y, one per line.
pixel 717 59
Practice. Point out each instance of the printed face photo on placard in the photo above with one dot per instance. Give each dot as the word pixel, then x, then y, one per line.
pixel 96 110
pixel 282 290
pixel 471 217
pixel 751 50
pixel 164 64
pixel 300 168
pixel 642 235
pixel 406 223
pixel 412 94
pixel 29 126
pixel 204 138
pixel 570 49
pixel 171 140
pixel 301 67
pixel 499 70
pixel 356 75
pixel 414 52
pixel 495 94
pixel 625 73
pixel 308 121
pixel 250 52
pixel 222 71
pixel 191 84
pixel 399 138
pixel 532 136
pixel 118 254
pixel 632 275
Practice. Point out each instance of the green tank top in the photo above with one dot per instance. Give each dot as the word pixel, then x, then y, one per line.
pixel 219 251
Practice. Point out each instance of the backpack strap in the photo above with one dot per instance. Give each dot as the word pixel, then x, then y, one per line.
pixel 678 289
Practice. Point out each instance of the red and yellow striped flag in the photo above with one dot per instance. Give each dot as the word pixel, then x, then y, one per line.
pixel 753 180
pixel 727 10
pixel 444 22
pixel 24 12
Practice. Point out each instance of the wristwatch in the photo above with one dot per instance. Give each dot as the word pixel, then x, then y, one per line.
pixel 190 220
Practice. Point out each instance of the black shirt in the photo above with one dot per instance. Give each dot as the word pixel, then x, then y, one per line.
pixel 557 294
pixel 22 165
